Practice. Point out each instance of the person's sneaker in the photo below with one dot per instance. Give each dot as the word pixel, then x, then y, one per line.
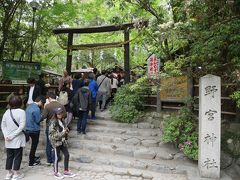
pixel 17 176
pixel 35 163
pixel 49 164
pixel 9 175
pixel 58 175
pixel 37 158
pixel 69 174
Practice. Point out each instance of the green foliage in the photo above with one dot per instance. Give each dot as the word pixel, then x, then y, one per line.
pixel 236 97
pixel 190 146
pixel 230 143
pixel 181 130
pixel 183 34
pixel 128 102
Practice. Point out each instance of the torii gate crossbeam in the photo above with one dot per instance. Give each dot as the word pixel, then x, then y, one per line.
pixel 99 29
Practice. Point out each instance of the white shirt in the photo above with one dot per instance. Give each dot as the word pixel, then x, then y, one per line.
pixel 30 100
pixel 105 84
pixel 114 84
pixel 10 129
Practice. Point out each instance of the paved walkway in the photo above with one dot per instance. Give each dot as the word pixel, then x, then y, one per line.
pixel 116 151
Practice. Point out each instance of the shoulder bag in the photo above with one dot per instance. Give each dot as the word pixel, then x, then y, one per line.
pixel 24 132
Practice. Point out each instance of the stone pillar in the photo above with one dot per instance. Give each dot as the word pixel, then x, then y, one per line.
pixel 209 126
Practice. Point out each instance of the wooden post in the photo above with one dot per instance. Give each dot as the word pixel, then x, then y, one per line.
pixel 69 53
pixel 190 88
pixel 159 103
pixel 237 108
pixel 126 56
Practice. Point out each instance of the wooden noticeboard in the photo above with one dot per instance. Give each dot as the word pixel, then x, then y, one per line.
pixel 174 89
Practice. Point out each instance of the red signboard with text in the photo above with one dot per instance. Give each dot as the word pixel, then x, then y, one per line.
pixel 153 65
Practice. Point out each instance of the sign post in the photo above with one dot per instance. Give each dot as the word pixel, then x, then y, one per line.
pixel 209 126
pixel 19 72
pixel 153 72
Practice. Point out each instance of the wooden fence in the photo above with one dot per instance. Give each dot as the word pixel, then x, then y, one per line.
pixel 175 90
pixel 6 89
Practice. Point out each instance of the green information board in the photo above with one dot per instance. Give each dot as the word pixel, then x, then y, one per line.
pixel 20 70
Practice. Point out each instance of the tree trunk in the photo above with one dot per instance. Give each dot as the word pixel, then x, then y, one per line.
pixel 9 12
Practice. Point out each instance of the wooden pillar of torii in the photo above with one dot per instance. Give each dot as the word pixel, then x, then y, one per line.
pixel 99 29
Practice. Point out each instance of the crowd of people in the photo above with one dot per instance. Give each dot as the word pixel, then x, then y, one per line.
pixel 75 99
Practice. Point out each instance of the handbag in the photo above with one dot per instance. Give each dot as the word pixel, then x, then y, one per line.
pixel 24 132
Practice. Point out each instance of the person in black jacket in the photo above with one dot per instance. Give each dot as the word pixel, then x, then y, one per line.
pixel 82 102
pixel 33 91
pixel 41 83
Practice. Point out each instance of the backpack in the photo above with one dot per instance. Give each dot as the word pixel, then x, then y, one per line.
pixel 63 98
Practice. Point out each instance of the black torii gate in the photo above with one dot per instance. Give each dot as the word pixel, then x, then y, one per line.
pixel 99 29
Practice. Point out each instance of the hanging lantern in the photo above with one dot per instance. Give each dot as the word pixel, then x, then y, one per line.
pixel 90 55
pixel 101 55
pixel 78 55
pixel 115 55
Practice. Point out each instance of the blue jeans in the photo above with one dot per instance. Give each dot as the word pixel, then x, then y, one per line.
pixel 93 108
pixel 49 148
pixel 82 121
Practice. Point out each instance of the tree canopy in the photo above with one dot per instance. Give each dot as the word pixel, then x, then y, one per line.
pixel 199 37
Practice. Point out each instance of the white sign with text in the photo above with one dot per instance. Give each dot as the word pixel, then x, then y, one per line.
pixel 209 126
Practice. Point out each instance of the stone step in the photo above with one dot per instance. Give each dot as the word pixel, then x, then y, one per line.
pixel 161 163
pixel 118 149
pixel 91 171
pixel 152 141
pixel 125 131
pixel 119 161
pixel 137 151
pixel 115 173
pixel 110 123
pixel 94 172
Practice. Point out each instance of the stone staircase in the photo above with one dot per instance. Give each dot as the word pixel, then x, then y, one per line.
pixel 115 151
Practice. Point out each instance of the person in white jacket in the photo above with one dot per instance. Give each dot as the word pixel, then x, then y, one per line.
pixel 14 137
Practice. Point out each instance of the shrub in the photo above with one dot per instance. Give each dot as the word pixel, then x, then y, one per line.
pixel 128 101
pixel 181 130
pixel 190 147
pixel 236 97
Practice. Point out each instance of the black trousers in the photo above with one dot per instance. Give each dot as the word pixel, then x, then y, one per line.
pixel 35 140
pixel 65 152
pixel 14 159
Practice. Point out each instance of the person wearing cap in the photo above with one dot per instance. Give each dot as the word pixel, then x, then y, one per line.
pixel 33 91
pixel 58 137
pixel 48 114
pixel 33 119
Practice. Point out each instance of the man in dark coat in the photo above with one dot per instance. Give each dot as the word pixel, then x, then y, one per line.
pixel 41 83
